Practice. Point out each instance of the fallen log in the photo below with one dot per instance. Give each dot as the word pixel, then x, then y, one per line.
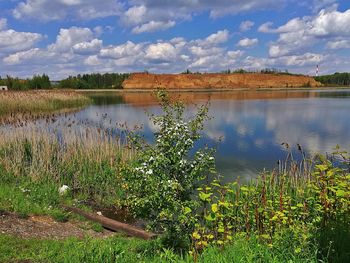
pixel 112 224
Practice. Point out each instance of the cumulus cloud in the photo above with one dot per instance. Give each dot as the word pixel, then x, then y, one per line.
pixel 67 38
pixel 149 12
pixel 48 10
pixel 31 56
pixel 219 37
pixel 125 50
pixel 88 48
pixel 78 50
pixel 300 34
pixel 338 44
pixel 13 41
pixel 266 28
pixel 246 25
pixel 161 52
pixel 247 42
pixel 153 26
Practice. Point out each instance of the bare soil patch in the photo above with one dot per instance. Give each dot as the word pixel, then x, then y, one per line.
pixel 44 227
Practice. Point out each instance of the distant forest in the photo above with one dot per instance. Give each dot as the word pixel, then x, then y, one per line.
pixel 115 80
pixel 94 81
pixel 36 82
pixel 86 81
pixel 336 79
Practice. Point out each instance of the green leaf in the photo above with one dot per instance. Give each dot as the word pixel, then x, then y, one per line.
pixel 196 235
pixel 244 189
pixel 210 217
pixel 322 167
pixel 187 210
pixel 340 193
pixel 205 197
pixel 214 208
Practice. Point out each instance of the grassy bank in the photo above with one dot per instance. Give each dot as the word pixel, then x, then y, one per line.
pixel 121 249
pixel 36 102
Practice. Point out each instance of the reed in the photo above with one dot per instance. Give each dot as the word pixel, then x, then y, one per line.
pixel 39 101
pixel 85 159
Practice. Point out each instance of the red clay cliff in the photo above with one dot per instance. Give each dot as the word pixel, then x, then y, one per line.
pixel 217 81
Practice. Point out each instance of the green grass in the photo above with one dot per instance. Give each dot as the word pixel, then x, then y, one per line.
pixel 25 198
pixel 121 249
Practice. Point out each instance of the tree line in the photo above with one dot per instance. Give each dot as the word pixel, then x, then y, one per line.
pixel 94 81
pixel 336 79
pixel 36 82
pixel 85 81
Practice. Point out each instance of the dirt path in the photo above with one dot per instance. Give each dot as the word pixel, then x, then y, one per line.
pixel 44 227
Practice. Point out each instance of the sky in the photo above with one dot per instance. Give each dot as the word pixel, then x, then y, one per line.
pixel 69 37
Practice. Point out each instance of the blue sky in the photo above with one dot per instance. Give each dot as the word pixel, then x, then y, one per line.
pixel 67 37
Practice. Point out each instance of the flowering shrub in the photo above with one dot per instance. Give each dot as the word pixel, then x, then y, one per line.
pixel 162 180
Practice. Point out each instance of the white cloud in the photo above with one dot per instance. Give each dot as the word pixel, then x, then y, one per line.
pixel 33 56
pixel 87 48
pixel 135 15
pixel 247 42
pixel 13 41
pixel 235 54
pixel 160 52
pixel 246 25
pixel 142 12
pixel 266 28
pixel 48 10
pixel 338 44
pixel 300 34
pixel 67 38
pixel 92 61
pixel 125 50
pixel 219 37
pixel 153 26
pixel 3 24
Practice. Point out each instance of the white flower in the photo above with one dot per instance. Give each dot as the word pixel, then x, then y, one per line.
pixel 99 213
pixel 149 172
pixel 63 189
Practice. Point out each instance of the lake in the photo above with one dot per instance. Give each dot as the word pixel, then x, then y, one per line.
pixel 247 127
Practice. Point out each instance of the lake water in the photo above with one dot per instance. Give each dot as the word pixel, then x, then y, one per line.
pixel 247 127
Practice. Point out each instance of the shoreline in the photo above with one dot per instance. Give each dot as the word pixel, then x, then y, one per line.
pixel 211 90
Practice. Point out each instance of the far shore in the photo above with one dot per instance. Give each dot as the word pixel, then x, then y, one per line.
pixel 212 90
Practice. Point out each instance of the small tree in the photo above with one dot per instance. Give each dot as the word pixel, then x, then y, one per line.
pixel 163 179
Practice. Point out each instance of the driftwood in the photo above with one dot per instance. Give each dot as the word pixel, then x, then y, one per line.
pixel 112 224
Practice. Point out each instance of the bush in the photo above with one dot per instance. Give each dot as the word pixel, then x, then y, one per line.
pixel 162 180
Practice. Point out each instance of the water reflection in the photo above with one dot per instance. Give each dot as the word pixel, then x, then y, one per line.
pixel 250 124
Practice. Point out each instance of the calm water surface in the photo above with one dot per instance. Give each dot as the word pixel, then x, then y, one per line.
pixel 251 125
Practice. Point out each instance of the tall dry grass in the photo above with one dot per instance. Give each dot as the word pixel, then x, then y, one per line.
pixel 39 101
pixel 87 159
